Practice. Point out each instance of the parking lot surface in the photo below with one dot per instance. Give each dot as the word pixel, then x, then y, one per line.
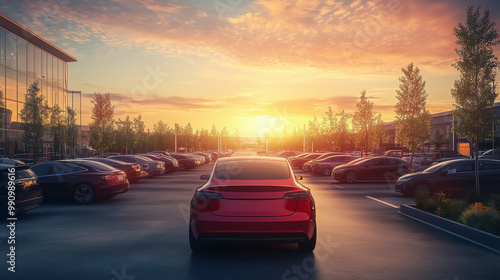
pixel 143 234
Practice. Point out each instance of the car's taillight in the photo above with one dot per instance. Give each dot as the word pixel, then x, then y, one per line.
pixel 108 177
pixel 299 196
pixel 136 166
pixel 207 196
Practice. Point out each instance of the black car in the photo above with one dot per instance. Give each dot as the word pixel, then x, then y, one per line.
pixel 24 186
pixel 373 168
pixel 185 162
pixel 171 164
pixel 452 176
pixel 82 180
pixel 133 170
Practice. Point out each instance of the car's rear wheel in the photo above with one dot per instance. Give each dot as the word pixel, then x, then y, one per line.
pixel 84 194
pixel 351 177
pixel 327 171
pixel 195 244
pixel 422 188
pixel 309 245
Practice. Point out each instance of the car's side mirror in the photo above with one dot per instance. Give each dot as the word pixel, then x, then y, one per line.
pixel 205 177
pixel 298 177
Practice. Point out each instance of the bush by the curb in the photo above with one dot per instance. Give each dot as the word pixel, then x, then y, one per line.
pixel 481 217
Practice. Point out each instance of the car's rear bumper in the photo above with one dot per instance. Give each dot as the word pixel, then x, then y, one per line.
pixel 29 201
pixel 293 228
pixel 112 189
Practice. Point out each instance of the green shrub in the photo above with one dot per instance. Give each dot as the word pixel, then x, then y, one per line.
pixel 481 217
pixel 455 209
pixel 494 202
pixel 419 199
pixel 430 205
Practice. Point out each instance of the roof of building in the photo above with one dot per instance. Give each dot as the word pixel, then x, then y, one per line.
pixel 34 39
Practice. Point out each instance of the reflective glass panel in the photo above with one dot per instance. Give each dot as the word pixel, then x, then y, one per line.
pixel 11 53
pixel 21 56
pixel 30 57
pixel 11 87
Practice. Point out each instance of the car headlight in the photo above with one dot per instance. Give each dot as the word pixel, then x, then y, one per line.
pixel 404 179
pixel 338 170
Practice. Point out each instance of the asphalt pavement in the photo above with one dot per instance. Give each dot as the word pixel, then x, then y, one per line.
pixel 143 234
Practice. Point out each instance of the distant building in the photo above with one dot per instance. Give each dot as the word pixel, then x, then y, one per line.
pixel 26 58
pixel 443 137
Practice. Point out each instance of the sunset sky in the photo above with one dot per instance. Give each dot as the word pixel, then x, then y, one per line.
pixel 249 65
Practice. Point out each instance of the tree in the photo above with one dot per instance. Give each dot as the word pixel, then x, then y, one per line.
pixel 413 121
pixel 342 131
pixel 160 134
pixel 57 128
pixel 101 127
pixel 125 137
pixel 71 135
pixel 34 116
pixel 379 131
pixel 140 134
pixel 363 123
pixel 330 124
pixel 475 93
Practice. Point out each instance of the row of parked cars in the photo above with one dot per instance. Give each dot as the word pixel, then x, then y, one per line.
pixel 87 179
pixel 449 172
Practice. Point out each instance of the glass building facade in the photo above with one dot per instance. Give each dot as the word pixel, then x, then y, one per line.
pixel 26 58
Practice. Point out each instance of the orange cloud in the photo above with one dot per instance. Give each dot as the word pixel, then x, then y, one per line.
pixel 360 37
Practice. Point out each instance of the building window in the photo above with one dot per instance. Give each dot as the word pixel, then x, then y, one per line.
pixel 2 46
pixel 2 80
pixel 11 87
pixel 11 51
pixel 38 63
pixel 30 57
pixel 21 87
pixel 21 56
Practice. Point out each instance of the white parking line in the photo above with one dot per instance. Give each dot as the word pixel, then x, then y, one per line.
pixel 383 202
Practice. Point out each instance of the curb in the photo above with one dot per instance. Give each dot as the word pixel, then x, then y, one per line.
pixel 476 236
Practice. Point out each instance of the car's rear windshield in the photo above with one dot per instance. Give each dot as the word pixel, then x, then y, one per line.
pixel 252 170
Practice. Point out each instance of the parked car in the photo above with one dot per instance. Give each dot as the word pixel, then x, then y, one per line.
pixel 444 155
pixel 151 167
pixel 25 187
pixel 373 168
pixel 13 162
pixel 420 158
pixel 396 153
pixel 207 157
pixel 82 180
pixel 491 154
pixel 452 176
pixel 167 156
pixel 307 166
pixel 299 160
pixel 264 202
pixel 133 170
pixel 185 162
pixel 169 163
pixel 200 159
pixel 325 166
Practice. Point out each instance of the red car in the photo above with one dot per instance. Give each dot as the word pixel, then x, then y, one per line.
pixel 252 199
